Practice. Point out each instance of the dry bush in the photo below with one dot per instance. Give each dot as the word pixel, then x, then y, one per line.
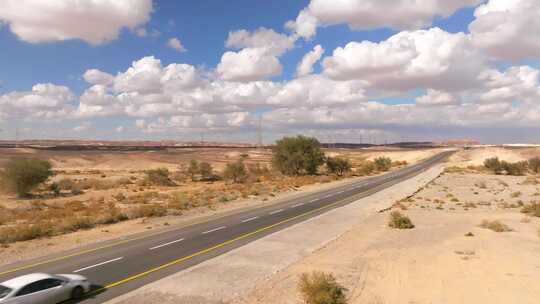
pixel 532 209
pixel 159 177
pixel 152 210
pixel 383 163
pixel 496 226
pixel 321 288
pixel 366 168
pixel 399 221
pixel 515 194
pixel 178 201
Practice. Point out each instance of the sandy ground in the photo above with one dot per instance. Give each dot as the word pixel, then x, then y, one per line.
pixel 434 262
pixel 476 157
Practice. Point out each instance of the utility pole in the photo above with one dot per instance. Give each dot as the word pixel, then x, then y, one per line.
pixel 259 133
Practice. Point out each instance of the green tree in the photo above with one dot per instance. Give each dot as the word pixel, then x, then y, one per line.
pixel 383 163
pixel 193 169
pixel 21 175
pixel 236 172
pixel 297 155
pixel 338 166
pixel 206 170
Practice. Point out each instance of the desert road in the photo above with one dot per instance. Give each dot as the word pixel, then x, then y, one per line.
pixel 126 264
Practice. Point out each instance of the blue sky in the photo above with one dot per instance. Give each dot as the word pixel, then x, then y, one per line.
pixel 337 84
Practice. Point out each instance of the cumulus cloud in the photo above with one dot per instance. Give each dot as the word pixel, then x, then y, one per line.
pixel 94 76
pixel 508 29
pixel 258 58
pixel 410 59
pixel 519 83
pixel 437 98
pixel 305 67
pixel 45 101
pixel 96 22
pixel 316 91
pixel 372 14
pixel 175 44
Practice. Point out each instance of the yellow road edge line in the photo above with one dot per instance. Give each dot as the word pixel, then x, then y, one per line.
pixel 210 249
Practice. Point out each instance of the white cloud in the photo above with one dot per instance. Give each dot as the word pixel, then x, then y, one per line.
pixel 262 38
pixel 258 58
pixel 508 29
pixel 519 83
pixel 305 67
pixel 143 32
pixel 419 59
pixel 372 14
pixel 316 90
pixel 94 76
pixel 119 129
pixel 249 64
pixel 175 44
pixel 437 98
pixel 96 21
pixel 45 100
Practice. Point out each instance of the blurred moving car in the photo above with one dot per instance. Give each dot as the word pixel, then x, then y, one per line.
pixel 42 288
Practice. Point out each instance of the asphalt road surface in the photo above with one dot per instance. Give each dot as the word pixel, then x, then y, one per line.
pixel 126 264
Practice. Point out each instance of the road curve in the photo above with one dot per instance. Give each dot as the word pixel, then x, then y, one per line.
pixel 124 265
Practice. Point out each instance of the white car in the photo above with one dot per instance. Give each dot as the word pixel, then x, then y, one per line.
pixel 41 288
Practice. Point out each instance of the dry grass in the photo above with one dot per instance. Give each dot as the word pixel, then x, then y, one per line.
pixel 495 225
pixel 321 288
pixel 532 209
pixel 399 221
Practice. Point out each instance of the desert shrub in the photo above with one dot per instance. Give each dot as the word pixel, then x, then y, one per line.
pixel 515 194
pixel 399 163
pixel 258 170
pixel 66 184
pixel 205 170
pixel 366 168
pixel 193 169
pixel 383 163
pixel 178 201
pixel 534 164
pixel 159 177
pixel 21 175
pixel 152 210
pixel 297 155
pixel 93 183
pixel 496 226
pixel 25 232
pixel 338 166
pixel 236 172
pixel 399 221
pixel 493 164
pixel 532 209
pixel 54 188
pixel 321 288
pixel 518 168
